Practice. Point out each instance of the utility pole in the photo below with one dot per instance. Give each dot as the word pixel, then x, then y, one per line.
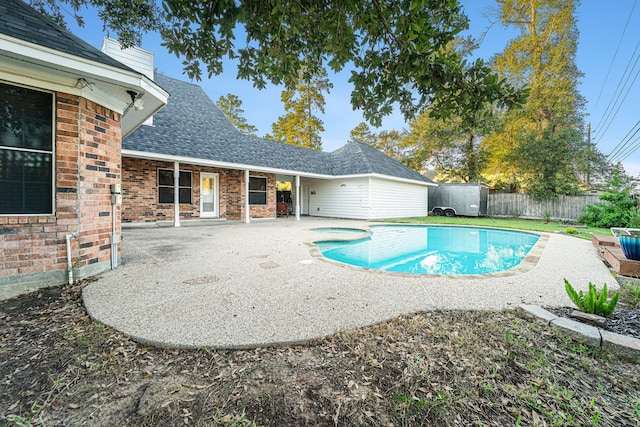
pixel 588 174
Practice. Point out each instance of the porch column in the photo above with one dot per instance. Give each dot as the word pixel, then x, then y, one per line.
pixel 176 194
pixel 247 214
pixel 297 197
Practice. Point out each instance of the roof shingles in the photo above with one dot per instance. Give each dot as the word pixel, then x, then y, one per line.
pixel 21 21
pixel 192 126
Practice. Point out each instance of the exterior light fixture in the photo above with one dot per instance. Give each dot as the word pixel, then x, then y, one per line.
pixel 138 104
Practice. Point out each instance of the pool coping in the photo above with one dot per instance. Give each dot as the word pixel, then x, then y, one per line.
pixel 528 263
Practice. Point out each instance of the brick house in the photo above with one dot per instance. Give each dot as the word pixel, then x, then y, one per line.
pixel 222 174
pixel 77 124
pixel 64 109
pixel 190 163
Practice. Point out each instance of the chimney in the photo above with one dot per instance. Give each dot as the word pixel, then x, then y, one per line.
pixel 139 59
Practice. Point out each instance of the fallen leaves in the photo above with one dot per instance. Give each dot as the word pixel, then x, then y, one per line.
pixel 443 368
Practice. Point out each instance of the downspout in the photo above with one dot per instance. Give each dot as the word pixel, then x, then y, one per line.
pixel 69 262
pixel 116 199
pixel 114 239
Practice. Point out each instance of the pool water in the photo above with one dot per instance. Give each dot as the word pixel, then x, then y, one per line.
pixel 434 249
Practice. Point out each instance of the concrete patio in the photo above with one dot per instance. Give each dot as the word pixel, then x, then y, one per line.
pixel 234 285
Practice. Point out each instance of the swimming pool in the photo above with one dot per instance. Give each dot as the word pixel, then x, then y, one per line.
pixel 433 249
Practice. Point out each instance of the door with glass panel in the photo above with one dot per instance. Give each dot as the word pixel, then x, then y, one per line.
pixel 208 195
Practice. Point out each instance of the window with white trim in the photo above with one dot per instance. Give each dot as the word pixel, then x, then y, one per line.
pixel 166 186
pixel 26 151
pixel 257 190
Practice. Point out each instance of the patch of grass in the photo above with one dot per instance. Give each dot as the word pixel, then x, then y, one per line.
pixel 513 223
pixel 631 294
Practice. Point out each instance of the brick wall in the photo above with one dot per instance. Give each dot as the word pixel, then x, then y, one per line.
pixel 140 193
pixel 87 155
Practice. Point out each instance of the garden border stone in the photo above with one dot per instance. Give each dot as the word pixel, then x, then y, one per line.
pixel 591 335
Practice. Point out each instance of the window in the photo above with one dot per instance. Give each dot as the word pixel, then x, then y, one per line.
pixel 257 190
pixel 166 186
pixel 26 151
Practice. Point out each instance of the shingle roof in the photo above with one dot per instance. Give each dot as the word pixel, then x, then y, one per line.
pixel 192 126
pixel 19 20
pixel 357 158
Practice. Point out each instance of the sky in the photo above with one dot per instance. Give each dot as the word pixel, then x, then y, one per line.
pixel 608 61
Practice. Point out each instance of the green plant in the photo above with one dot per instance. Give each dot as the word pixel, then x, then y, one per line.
pixel 617 209
pixel 634 290
pixel 547 217
pixel 571 230
pixel 634 218
pixel 592 302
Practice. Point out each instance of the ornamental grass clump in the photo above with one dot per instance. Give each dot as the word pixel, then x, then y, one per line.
pixel 593 302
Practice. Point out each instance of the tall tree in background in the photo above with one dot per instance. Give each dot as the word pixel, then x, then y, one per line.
pixel 390 142
pixel 454 143
pixel 300 124
pixel 230 105
pixel 362 133
pixel 542 57
pixel 452 147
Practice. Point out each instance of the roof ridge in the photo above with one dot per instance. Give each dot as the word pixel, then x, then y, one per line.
pixel 364 153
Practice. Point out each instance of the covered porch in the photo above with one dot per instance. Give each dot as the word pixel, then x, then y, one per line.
pixel 161 189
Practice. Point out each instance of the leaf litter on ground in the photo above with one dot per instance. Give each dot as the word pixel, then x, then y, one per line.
pixel 442 368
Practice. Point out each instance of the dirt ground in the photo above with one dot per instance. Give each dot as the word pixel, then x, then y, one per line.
pixel 442 368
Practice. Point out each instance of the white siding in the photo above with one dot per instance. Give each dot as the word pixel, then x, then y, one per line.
pixel 139 59
pixel 339 198
pixel 366 198
pixel 393 199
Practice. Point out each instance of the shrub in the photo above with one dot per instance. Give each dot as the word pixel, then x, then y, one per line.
pixel 570 230
pixel 616 209
pixel 592 302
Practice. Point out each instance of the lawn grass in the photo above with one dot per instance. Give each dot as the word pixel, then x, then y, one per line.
pixel 513 223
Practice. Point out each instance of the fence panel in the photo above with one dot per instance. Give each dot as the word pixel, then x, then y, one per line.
pixel 521 205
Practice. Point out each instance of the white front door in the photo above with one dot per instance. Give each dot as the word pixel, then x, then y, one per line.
pixel 208 195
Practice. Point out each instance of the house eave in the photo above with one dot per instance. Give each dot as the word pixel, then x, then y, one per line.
pixel 30 64
pixel 387 178
pixel 218 164
pixel 239 166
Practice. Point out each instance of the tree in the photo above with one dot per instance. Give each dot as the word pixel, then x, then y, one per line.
pixel 362 133
pixel 451 146
pixel 452 142
pixel 391 143
pixel 300 125
pixel 543 58
pixel 556 174
pixel 396 49
pixel 230 105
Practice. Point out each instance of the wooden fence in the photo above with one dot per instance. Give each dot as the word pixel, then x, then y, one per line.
pixel 567 208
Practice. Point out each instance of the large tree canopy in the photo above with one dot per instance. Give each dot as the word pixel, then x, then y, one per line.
pixel 395 49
